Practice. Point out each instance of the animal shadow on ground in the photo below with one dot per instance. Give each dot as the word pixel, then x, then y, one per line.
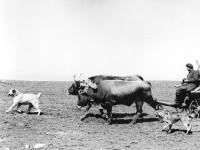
pixel 139 120
pixel 95 116
pixel 179 130
pixel 24 112
pixel 118 118
pixel 123 115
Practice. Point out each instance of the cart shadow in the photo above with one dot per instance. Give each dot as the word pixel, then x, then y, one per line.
pixel 118 118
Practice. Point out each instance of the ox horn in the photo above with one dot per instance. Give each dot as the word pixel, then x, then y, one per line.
pixel 75 80
pixel 80 77
pixel 74 77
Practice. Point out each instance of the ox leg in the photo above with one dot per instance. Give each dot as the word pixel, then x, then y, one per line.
pixel 103 106
pixel 101 111
pixel 86 111
pixel 109 112
pixel 139 105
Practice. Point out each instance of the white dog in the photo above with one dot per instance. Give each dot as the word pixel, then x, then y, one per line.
pixel 24 99
pixel 172 118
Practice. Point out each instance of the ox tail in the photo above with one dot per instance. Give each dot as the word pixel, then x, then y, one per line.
pixel 139 76
pixel 38 95
pixel 153 102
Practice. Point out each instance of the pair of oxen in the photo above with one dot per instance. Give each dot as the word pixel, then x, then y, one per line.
pixel 108 91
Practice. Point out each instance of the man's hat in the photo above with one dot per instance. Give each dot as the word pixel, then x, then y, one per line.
pixel 189 65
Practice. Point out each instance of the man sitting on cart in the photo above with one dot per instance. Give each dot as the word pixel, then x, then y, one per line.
pixel 187 85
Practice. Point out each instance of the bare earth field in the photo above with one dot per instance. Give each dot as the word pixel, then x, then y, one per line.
pixel 60 127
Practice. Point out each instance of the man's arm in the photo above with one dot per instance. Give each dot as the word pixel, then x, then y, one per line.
pixel 193 79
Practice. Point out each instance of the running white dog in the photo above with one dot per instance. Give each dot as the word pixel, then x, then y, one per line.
pixel 172 118
pixel 24 99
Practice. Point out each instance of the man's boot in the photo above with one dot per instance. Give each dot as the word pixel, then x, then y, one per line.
pixel 178 101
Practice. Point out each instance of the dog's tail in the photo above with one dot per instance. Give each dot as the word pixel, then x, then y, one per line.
pixel 39 94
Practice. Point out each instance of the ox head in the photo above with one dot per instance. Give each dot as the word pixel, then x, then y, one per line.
pixel 73 89
pixel 76 88
pixel 87 94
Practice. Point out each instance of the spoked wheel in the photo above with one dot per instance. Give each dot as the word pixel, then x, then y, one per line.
pixel 194 107
pixel 185 105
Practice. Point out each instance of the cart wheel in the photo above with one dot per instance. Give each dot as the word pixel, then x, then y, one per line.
pixel 185 105
pixel 194 105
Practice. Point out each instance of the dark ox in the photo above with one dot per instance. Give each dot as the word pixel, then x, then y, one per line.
pixel 76 87
pixel 114 92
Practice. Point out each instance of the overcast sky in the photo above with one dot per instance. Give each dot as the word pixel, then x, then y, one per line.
pixel 54 39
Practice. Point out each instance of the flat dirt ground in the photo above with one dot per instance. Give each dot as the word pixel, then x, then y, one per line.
pixel 60 127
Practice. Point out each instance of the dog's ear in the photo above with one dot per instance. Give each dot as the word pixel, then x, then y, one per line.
pixel 13 91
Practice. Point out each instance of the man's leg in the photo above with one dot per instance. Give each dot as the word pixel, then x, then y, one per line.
pixel 180 94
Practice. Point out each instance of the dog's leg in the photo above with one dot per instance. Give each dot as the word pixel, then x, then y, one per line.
pixel 18 108
pixel 170 128
pixel 13 105
pixel 39 111
pixel 188 126
pixel 36 105
pixel 29 108
pixel 169 124
pixel 160 120
pixel 165 127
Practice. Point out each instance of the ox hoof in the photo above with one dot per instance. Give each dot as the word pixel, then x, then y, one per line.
pixel 109 121
pixel 134 121
pixel 28 112
pixel 105 116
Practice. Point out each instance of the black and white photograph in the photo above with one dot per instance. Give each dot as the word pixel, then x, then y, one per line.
pixel 100 74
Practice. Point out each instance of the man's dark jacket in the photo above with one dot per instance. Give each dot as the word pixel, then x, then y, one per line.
pixel 192 80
